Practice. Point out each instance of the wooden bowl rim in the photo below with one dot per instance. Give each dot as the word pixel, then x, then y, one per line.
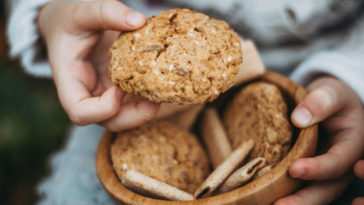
pixel 277 180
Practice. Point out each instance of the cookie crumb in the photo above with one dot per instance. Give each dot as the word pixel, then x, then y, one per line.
pixel 124 166
pixel 229 59
pixel 170 67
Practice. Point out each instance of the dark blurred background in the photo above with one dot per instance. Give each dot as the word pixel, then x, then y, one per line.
pixel 32 126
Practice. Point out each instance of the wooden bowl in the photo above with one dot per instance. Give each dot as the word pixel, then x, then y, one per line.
pixel 264 190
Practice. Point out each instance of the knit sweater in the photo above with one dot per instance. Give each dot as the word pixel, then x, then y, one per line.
pixel 300 38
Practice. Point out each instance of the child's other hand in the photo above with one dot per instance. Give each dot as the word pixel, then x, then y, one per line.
pixel 359 171
pixel 341 113
pixel 78 35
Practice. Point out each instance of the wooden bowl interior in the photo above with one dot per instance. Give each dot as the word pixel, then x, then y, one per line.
pixel 264 190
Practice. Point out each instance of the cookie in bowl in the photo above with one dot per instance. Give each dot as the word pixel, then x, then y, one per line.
pixel 259 112
pixel 162 151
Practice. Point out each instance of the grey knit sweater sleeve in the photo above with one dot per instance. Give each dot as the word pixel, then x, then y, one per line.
pixel 315 37
pixel 271 22
pixel 24 38
pixel 345 61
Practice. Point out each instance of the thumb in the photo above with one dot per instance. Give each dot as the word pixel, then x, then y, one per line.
pixel 327 98
pixel 106 15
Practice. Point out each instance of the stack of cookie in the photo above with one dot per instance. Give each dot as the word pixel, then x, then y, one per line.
pixel 183 57
pixel 161 159
pixel 256 121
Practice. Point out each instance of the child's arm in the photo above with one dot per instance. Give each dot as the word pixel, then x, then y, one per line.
pixel 337 103
pixel 337 106
pixel 23 37
pixel 78 35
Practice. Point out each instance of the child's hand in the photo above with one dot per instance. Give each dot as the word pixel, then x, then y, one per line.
pixel 359 171
pixel 333 103
pixel 78 35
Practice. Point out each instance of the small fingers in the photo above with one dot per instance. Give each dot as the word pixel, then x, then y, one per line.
pixel 358 201
pixel 316 106
pixel 318 193
pixel 74 90
pixel 88 110
pixel 317 168
pixel 106 15
pixel 359 169
pixel 337 161
pixel 131 115
pixel 327 97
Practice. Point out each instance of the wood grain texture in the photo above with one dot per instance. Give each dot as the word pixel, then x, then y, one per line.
pixel 264 190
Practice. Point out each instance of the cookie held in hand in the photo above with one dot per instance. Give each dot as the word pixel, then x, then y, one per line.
pixel 179 57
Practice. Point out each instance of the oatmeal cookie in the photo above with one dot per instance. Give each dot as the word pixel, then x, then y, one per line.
pixel 259 111
pixel 162 151
pixel 179 57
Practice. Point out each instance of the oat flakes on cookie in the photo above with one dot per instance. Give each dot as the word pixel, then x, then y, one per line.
pixel 162 151
pixel 259 111
pixel 179 56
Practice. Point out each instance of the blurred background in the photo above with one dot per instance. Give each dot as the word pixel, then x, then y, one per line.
pixel 32 126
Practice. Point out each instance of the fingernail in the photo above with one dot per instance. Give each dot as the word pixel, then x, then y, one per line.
pixel 302 116
pixel 134 18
